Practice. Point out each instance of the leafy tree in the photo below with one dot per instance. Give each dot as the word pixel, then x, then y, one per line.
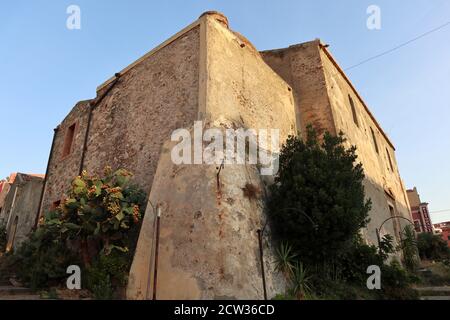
pixel 317 202
pixel 99 211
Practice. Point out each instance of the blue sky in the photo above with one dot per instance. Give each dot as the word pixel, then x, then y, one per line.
pixel 46 68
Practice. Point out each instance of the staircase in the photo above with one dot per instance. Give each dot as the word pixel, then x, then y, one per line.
pixel 434 293
pixel 17 293
pixel 10 292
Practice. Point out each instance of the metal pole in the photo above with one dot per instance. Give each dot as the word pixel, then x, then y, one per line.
pixel 155 274
pixel 378 237
pixel 261 258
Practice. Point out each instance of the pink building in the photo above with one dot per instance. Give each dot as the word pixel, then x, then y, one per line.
pixel 443 229
pixel 419 212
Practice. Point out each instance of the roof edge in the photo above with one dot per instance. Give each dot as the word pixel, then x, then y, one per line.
pixel 323 46
pixel 366 107
pixel 154 50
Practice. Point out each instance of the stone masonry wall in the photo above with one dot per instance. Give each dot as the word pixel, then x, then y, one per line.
pixel 300 66
pixel 21 206
pixel 383 183
pixel 129 126
pixel 62 169
pixel 157 96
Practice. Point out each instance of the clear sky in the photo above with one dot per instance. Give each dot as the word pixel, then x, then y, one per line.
pixel 46 68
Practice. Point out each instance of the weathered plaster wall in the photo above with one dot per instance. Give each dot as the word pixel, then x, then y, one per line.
pixel 241 88
pixel 209 244
pixel 23 207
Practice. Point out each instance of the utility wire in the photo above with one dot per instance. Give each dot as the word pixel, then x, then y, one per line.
pixel 399 46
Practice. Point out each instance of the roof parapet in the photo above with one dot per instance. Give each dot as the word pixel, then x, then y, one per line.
pixel 218 16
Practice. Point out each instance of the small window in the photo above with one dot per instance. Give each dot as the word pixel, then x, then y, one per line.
pixel 374 141
pixel 448 237
pixel 390 161
pixel 68 139
pixel 352 105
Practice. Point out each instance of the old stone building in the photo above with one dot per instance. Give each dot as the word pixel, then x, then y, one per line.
pixel 5 186
pixel 20 207
pixel 209 226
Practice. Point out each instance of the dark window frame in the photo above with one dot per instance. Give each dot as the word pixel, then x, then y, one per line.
pixel 352 106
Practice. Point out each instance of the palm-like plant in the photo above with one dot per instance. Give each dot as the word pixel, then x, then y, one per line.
pixel 301 281
pixel 285 259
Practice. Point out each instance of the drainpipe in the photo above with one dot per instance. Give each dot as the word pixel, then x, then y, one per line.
pixel 41 198
pixel 88 127
pixel 155 274
pixel 261 259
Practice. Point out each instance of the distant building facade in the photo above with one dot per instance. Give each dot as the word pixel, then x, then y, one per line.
pixel 5 186
pixel 20 207
pixel 420 213
pixel 443 229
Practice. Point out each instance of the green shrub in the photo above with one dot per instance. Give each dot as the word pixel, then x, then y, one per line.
pixel 432 247
pixel 396 282
pixel 107 274
pixel 355 262
pixel 42 260
pixel 96 227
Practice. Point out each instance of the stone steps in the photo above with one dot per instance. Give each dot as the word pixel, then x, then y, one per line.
pixel 435 298
pixel 21 297
pixel 434 293
pixel 11 290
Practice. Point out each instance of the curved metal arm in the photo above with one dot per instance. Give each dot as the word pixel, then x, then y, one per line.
pixel 401 217
pixel 377 230
pixel 315 226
